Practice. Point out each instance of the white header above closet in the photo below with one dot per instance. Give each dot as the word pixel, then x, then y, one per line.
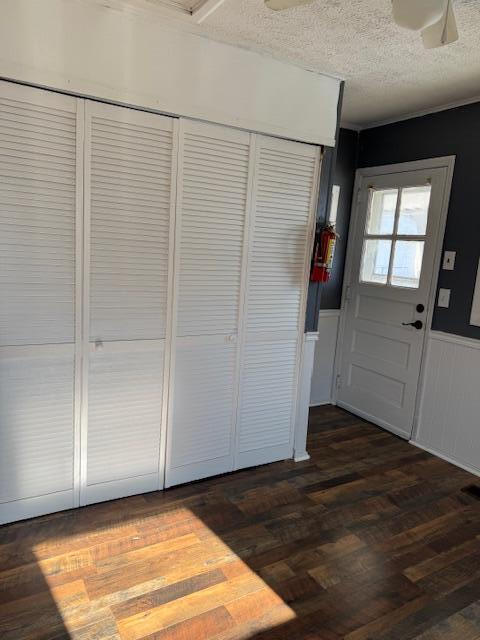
pixel 102 52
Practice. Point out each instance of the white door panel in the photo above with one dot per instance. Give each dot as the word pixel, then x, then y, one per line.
pixel 279 247
pixel 203 409
pixel 392 256
pixel 211 212
pixel 39 193
pixel 124 418
pixel 267 401
pixel 129 202
pixel 36 396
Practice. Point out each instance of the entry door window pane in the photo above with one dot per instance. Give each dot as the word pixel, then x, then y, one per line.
pixel 407 263
pixel 397 221
pixel 381 218
pixel 413 215
pixel 375 261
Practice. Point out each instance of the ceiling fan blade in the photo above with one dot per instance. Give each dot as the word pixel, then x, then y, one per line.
pixel 442 32
pixel 418 14
pixel 280 5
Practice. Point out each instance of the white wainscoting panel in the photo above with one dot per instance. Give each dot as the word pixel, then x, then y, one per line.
pixel 449 423
pixel 324 361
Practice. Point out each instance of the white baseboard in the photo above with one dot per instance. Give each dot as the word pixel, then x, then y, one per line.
pixel 301 457
pixel 439 454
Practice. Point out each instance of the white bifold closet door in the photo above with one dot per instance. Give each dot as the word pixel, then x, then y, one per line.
pixel 213 187
pixel 281 227
pixel 129 210
pixel 245 218
pixel 40 199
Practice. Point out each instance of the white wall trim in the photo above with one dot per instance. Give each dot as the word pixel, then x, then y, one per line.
pixel 475 471
pixel 329 313
pixel 401 167
pixel 424 112
pixel 454 338
pixel 410 116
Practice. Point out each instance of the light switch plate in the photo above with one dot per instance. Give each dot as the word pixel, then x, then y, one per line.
pixel 444 298
pixel 449 260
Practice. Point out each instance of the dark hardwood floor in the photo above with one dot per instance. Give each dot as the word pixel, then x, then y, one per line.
pixel 372 539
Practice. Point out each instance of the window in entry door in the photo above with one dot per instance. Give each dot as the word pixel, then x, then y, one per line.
pixel 394 237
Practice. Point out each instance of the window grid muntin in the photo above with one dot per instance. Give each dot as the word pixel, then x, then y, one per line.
pixel 393 237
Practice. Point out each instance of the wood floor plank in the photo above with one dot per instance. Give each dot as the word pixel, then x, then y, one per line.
pixel 370 539
pixel 197 603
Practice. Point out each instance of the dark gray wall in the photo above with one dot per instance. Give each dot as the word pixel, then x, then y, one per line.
pixel 452 132
pixel 328 295
pixel 344 176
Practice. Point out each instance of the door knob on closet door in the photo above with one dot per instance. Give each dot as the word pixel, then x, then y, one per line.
pixel 232 338
pixel 98 345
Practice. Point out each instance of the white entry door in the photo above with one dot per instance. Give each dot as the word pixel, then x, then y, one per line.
pixel 392 258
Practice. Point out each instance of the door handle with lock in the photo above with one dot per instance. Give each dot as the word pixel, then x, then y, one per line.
pixel 418 324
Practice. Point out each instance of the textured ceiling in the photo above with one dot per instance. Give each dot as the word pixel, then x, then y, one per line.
pixel 387 71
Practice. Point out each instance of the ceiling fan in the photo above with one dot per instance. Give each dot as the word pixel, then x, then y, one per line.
pixel 433 18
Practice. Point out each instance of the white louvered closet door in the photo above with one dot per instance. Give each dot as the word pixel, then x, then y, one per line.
pixel 211 204
pixel 40 201
pixel 130 185
pixel 281 230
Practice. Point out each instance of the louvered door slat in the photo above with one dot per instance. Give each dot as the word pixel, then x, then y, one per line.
pixel 38 209
pixel 285 183
pixel 211 209
pixel 129 189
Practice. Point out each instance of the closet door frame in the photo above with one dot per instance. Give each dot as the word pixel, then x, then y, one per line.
pixel 85 345
pixel 79 293
pixel 306 277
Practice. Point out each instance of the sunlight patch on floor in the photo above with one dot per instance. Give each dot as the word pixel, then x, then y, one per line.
pixel 166 570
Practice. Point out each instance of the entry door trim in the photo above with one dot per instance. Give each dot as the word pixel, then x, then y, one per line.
pixel 446 162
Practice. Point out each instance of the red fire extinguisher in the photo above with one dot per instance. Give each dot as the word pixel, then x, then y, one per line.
pixel 323 253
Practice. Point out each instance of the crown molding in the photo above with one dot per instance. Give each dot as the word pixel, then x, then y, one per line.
pixel 413 114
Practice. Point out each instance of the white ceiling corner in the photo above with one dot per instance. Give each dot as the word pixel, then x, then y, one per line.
pixel 388 74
